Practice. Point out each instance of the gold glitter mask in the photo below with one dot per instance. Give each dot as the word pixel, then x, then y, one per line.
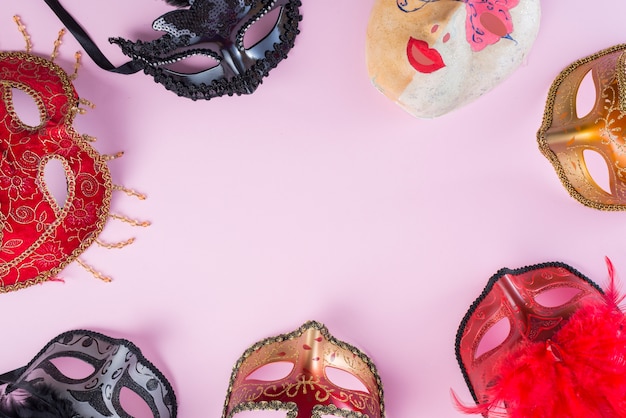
pixel 565 135
pixel 312 388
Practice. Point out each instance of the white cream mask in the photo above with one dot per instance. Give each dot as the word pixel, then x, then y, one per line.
pixel 433 56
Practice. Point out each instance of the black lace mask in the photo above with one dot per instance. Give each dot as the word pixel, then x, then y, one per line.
pixel 211 28
pixel 53 385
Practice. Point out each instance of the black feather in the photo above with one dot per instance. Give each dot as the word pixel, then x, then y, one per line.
pixel 43 402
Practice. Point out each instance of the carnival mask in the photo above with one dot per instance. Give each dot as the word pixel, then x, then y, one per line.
pixel 40 235
pixel 566 136
pixel 306 391
pixel 562 350
pixel 214 29
pixel 433 56
pixel 86 374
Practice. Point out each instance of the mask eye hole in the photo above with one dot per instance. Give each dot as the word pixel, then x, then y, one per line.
pixel 193 64
pixel 597 169
pixel 495 335
pixel 559 296
pixel 585 96
pixel 73 367
pixel 55 180
pixel 344 379
pixel 268 413
pixel 261 28
pixel 272 371
pixel 134 405
pixel 26 108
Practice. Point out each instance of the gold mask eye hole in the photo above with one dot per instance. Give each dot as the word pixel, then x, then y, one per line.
pixel 598 169
pixel 345 380
pixel 585 96
pixel 271 372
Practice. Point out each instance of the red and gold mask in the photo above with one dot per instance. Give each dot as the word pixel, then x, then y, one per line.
pixel 306 391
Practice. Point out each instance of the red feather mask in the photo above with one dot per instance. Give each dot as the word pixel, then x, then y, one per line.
pixel 559 358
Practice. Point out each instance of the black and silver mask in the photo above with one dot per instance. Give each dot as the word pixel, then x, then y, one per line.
pixel 211 28
pixel 109 371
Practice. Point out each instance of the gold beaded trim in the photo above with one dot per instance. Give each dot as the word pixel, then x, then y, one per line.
pixel 549 112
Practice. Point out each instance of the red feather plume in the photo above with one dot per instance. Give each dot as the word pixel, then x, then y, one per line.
pixel 579 373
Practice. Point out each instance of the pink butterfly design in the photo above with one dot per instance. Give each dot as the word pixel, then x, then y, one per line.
pixel 487 21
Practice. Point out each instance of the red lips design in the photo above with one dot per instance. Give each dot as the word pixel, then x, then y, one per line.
pixel 422 58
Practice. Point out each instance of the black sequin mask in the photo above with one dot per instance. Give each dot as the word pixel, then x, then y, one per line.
pixel 211 28
pixel 109 370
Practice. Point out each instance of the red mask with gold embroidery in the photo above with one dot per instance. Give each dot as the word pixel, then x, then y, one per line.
pixel 306 391
pixel 39 236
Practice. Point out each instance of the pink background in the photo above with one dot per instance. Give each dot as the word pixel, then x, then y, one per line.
pixel 314 198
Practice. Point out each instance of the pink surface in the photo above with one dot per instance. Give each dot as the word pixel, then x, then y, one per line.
pixel 314 198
